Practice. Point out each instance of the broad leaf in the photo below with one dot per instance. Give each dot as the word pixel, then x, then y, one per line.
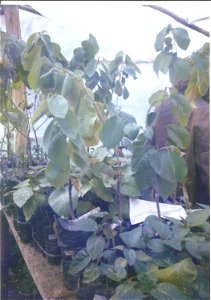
pixel 132 238
pixel 167 291
pixel 160 39
pixel 181 37
pixel 21 195
pixel 112 132
pixel 178 136
pixel 58 151
pixel 34 74
pixel 198 217
pixel 80 261
pixel 95 246
pixel 50 131
pixel 69 124
pixel 91 273
pixel 180 274
pixel 129 187
pixel 91 47
pixel 165 187
pixel 91 67
pixel 126 292
pixel 130 256
pixel 162 62
pixel 56 175
pixel 60 202
pixel 110 272
pixel 58 106
pixel 162 229
pixel 101 190
pixel 40 110
pixel 131 130
pixel 157 98
pixel 32 204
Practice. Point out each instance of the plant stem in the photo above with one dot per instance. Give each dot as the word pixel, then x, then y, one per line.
pixel 118 194
pixel 157 204
pixel 71 203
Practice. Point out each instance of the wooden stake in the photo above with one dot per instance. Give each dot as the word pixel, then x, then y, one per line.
pixel 12 22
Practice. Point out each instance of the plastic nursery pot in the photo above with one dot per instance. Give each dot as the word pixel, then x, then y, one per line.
pixel 70 240
pixel 100 287
pixel 23 228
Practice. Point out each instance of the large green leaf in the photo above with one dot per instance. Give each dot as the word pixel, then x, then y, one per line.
pixel 162 62
pixel 167 291
pixel 110 272
pixel 131 130
pixel 34 74
pixel 140 154
pixel 50 131
pixel 69 124
pixel 101 190
pixel 95 246
pixel 180 274
pixel 168 165
pixel 58 106
pixel 21 195
pixel 56 175
pixel 160 39
pixel 181 108
pixel 198 217
pixel 130 256
pixel 32 204
pixel 80 261
pixel 165 187
pixel 178 136
pixel 60 202
pixel 132 238
pixel 58 151
pixel 91 273
pixel 112 132
pixel 91 47
pixel 91 67
pixel 157 98
pixel 129 187
pixel 127 292
pixel 71 90
pixel 181 37
pixel 41 109
pixel 162 229
pixel 179 70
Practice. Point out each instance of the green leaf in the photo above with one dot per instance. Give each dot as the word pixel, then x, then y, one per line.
pixel 91 67
pixel 25 183
pixel 130 70
pixel 41 109
pixel 21 195
pixel 181 37
pixel 114 64
pixel 160 39
pixel 162 229
pixel 118 88
pixel 125 93
pixel 180 274
pixel 157 246
pixel 109 271
pixel 56 175
pixel 34 74
pixel 165 187
pixel 167 291
pixel 179 70
pixel 129 62
pixel 91 47
pixel 178 136
pixel 32 204
pixel 69 124
pixel 168 165
pixel 198 217
pixel 174 243
pixel 101 190
pixel 140 255
pixel 58 106
pixel 80 261
pixel 129 187
pixel 140 154
pixel 91 273
pixel 126 292
pixel 131 238
pixel 95 246
pixel 192 247
pixel 131 130
pixel 58 151
pixel 162 62
pixel 60 202
pixel 112 132
pixel 157 98
pixel 50 131
pixel 130 256
pixel 181 108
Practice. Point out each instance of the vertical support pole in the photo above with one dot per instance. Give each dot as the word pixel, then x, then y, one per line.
pixel 12 22
pixel 4 251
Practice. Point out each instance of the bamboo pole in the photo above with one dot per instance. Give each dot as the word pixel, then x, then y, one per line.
pixel 12 22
